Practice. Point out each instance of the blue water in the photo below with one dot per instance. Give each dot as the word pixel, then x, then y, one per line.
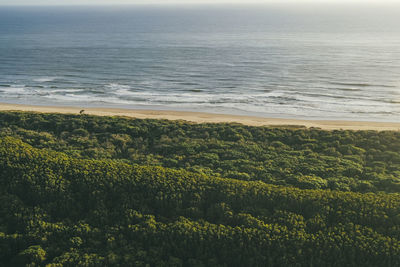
pixel 316 62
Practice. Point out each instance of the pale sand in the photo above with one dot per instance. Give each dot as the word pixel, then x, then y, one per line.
pixel 198 117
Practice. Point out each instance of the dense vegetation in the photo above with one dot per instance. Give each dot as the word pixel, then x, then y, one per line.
pixel 358 161
pixel 102 191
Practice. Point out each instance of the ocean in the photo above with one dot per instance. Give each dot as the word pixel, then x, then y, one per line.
pixel 283 61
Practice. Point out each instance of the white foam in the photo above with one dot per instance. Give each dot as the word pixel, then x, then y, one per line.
pixel 44 79
pixel 284 99
pixel 15 90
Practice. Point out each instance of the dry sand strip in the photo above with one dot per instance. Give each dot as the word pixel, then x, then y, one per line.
pixel 199 117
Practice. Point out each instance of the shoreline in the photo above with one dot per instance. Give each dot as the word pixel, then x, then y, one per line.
pixel 200 117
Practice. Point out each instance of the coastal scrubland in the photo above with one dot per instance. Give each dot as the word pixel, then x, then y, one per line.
pixel 80 190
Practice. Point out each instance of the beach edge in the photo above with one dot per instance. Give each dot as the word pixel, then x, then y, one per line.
pixel 203 117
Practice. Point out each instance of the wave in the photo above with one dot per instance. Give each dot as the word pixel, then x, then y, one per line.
pixel 362 84
pixel 45 79
pixel 349 89
pixel 16 90
pixel 255 99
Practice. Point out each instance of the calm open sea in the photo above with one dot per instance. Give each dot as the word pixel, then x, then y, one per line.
pixel 312 62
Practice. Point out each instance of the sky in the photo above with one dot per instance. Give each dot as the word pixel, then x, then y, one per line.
pixel 115 2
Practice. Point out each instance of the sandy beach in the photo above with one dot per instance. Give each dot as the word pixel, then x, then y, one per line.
pixel 199 117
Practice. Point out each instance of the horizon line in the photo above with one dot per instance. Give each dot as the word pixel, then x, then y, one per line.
pixel 273 3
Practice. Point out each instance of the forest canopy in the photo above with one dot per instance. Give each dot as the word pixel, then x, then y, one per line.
pixel 80 190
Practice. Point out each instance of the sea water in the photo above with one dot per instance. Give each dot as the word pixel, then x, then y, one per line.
pixel 292 61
